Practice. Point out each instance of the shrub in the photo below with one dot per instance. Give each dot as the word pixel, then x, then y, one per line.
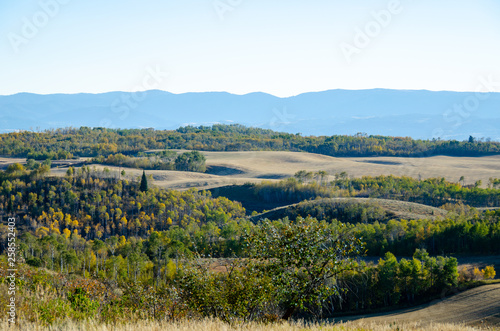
pixel 489 272
pixel 241 293
pixel 81 303
pixel 34 262
pixel 478 273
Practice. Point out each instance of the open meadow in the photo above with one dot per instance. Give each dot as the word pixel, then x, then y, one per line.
pixel 227 168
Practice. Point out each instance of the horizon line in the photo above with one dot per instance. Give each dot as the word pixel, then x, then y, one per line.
pixel 244 94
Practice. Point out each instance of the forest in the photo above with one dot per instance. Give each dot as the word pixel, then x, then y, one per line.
pixel 94 142
pixel 158 160
pixel 118 249
pixel 431 191
pixel 105 235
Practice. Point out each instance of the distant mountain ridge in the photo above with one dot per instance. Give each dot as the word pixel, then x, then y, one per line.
pixel 416 113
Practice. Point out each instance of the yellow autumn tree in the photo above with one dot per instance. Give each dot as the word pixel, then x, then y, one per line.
pixel 489 272
pixel 171 269
pixel 122 241
pixel 66 233
pixel 67 220
pixel 42 231
pixel 478 273
pixel 55 230
pixel 59 216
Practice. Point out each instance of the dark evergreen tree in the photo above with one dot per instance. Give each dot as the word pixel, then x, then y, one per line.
pixel 144 182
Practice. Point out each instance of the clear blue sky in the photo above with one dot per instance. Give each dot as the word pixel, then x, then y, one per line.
pixel 279 47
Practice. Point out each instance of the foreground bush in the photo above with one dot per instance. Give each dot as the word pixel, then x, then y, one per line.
pixel 291 266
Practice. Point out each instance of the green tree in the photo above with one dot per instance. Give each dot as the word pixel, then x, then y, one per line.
pixel 387 273
pixel 303 258
pixel 191 161
pixel 144 182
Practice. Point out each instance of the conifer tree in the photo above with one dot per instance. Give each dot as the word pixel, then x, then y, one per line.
pixel 144 182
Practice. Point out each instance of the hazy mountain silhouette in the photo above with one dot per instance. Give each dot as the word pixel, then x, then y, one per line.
pixel 419 114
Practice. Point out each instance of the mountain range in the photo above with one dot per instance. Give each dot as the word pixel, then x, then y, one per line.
pixel 419 114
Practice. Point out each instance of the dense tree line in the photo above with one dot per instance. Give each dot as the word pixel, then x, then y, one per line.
pixel 92 142
pixel 132 259
pixel 86 204
pixel 164 160
pixel 392 282
pixel 147 161
pixel 475 235
pixel 432 191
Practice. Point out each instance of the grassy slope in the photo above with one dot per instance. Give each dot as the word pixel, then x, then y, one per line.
pixel 477 306
pixel 226 168
pixel 396 209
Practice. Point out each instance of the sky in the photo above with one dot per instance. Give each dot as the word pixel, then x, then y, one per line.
pixel 240 46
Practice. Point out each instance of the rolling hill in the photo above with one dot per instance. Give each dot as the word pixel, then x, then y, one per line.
pixel 479 307
pixel 393 209
pixel 228 168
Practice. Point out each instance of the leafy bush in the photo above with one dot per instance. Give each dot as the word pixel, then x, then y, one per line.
pixel 34 262
pixel 303 258
pixel 80 302
pixel 489 272
pixel 241 293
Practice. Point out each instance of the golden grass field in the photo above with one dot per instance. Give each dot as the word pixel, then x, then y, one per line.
pixel 479 306
pixel 216 325
pixel 239 167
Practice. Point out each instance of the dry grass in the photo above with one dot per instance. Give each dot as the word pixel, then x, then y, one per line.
pixel 240 167
pixel 216 325
pixel 274 165
pixel 477 306
pixel 400 209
